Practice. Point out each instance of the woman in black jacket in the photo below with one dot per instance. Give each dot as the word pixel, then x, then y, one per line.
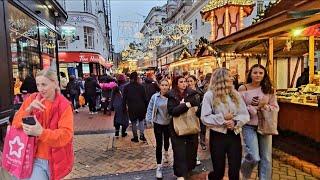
pixel 180 99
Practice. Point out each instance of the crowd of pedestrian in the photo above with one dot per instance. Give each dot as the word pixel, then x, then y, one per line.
pixel 230 115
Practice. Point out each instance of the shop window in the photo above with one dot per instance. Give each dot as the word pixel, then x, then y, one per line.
pixel 23 34
pixel 24 43
pixel 87 6
pixel 259 6
pixel 88 37
pixel 196 24
pixel 47 47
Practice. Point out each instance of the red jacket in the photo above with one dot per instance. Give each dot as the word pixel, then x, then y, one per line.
pixel 61 159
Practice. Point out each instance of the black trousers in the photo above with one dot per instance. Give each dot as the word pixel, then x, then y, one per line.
pixel 75 101
pixel 162 135
pixel 92 103
pixel 117 126
pixel 221 145
pixel 184 153
pixel 203 130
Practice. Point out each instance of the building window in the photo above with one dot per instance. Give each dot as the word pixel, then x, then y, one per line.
pixel 196 24
pixel 64 4
pixel 63 45
pixel 259 7
pixel 87 6
pixel 88 37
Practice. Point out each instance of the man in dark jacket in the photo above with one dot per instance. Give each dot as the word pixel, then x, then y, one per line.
pixel 90 87
pixel 134 98
pixel 73 92
pixel 150 86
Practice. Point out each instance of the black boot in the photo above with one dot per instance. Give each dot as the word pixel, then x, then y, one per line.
pixel 135 139
pixel 117 133
pixel 142 138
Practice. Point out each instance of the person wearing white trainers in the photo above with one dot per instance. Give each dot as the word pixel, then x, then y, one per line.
pixel 157 113
pixel 224 111
pixel 185 147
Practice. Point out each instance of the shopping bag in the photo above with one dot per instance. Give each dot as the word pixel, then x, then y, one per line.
pixel 82 101
pixel 267 122
pixel 18 153
pixel 187 123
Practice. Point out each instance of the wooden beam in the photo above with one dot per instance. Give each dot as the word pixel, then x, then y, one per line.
pixel 289 72
pixel 212 23
pixel 275 73
pixel 259 60
pixel 247 65
pixel 227 22
pixel 295 71
pixel 241 18
pixel 270 61
pixel 311 59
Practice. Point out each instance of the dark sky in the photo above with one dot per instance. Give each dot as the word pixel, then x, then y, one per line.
pixel 127 18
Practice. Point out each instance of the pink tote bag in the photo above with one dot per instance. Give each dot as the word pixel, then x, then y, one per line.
pixel 18 153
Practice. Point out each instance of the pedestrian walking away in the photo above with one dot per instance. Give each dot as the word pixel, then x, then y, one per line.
pixel 91 85
pixel 224 111
pixel 121 118
pixel 157 113
pixel 180 99
pixel 73 92
pixel 258 95
pixel 134 98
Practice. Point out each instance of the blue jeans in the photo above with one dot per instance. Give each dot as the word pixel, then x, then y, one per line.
pixel 135 127
pixel 258 151
pixel 40 170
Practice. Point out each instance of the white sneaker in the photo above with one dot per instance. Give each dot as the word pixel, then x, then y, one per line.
pixel 198 161
pixel 90 112
pixel 180 178
pixel 95 112
pixel 76 110
pixel 166 157
pixel 159 171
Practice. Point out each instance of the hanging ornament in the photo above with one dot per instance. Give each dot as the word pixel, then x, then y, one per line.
pixel 184 28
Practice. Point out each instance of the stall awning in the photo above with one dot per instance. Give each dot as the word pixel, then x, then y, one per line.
pixel 85 57
pixel 279 24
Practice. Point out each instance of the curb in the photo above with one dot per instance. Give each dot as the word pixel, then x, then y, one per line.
pixel 297 163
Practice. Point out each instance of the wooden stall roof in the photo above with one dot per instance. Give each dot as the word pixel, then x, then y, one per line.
pixel 278 26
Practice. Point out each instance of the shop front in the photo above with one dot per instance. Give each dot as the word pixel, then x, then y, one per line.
pixel 28 43
pixel 82 63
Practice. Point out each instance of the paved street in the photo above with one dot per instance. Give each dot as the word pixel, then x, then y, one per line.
pixel 103 156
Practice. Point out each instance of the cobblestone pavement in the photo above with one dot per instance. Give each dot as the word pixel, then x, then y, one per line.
pixel 85 123
pixel 103 156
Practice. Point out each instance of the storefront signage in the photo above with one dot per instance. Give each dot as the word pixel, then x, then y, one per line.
pixel 76 57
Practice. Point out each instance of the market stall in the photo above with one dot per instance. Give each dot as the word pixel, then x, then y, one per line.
pixel 286 41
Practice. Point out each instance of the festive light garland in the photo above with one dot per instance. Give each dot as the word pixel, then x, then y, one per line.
pixel 214 4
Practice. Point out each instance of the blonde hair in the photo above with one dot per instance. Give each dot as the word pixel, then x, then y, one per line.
pixel 51 75
pixel 220 88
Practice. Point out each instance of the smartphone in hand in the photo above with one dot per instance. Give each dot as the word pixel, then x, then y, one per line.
pixel 255 101
pixel 30 120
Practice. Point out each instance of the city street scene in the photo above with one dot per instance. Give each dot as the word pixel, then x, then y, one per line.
pixel 160 89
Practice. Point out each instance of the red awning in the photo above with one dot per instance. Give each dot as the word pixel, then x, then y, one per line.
pixel 86 57
pixel 312 30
